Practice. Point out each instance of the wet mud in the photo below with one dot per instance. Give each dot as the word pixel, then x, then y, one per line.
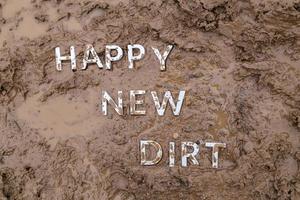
pixel 239 62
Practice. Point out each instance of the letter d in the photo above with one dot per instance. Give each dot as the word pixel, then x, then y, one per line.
pixel 158 149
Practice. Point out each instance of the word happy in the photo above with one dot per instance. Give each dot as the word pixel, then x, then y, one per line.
pixel 91 56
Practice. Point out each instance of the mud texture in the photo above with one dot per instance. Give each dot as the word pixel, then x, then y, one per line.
pixel 237 60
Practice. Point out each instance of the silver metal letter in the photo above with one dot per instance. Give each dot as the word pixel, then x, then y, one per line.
pixel 215 153
pixel 131 57
pixel 59 58
pixel 134 102
pixel 163 58
pixel 95 58
pixel 168 97
pixel 118 108
pixel 158 149
pixel 109 58
pixel 185 155
pixel 171 154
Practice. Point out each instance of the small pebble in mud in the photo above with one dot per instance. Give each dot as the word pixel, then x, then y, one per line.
pixel 175 135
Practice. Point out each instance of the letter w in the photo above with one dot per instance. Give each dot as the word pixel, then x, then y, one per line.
pixel 168 98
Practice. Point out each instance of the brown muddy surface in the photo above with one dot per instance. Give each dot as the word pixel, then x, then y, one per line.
pixel 239 62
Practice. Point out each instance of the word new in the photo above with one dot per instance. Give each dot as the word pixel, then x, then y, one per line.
pixel 113 53
pixel 189 151
pixel 136 100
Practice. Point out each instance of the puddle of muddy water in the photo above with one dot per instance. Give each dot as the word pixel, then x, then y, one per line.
pixel 63 116
pixel 72 25
pixel 52 13
pixel 11 7
pixel 29 27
